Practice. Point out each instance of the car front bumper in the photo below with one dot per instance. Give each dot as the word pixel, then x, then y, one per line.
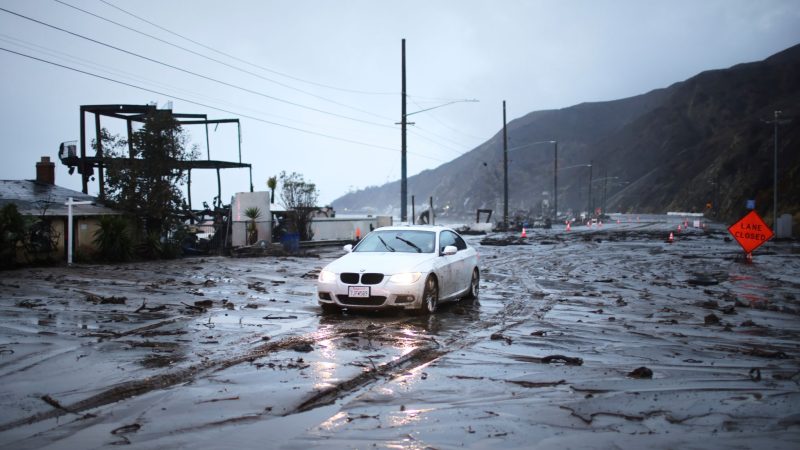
pixel 385 295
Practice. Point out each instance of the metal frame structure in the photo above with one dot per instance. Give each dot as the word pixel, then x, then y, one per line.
pixel 137 113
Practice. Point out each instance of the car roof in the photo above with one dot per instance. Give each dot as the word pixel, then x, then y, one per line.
pixel 414 228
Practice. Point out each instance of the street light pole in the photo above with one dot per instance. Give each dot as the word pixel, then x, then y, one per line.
pixel 505 169
pixel 591 162
pixel 605 183
pixel 555 168
pixel 590 178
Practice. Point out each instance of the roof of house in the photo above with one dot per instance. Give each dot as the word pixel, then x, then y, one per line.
pixel 34 199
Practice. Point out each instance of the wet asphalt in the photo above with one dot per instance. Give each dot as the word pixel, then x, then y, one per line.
pixel 594 338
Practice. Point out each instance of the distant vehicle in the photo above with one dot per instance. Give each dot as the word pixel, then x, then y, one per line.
pixel 406 267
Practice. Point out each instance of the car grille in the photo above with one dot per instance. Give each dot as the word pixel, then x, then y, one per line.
pixel 375 300
pixel 367 278
pixel 349 278
pixel 371 278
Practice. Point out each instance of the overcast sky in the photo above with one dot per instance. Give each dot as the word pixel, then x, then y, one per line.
pixel 316 84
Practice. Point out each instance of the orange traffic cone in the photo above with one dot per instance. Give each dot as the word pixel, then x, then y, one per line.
pixel 358 234
pixel 568 227
pixel 524 235
pixel 670 238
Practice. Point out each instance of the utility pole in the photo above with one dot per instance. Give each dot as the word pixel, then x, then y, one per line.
pixel 555 181
pixel 403 140
pixel 505 169
pixel 605 183
pixel 775 175
pixel 775 122
pixel 403 180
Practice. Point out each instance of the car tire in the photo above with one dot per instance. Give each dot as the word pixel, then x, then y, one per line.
pixel 430 296
pixel 330 308
pixel 474 285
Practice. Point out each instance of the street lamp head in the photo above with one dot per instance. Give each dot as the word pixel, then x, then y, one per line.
pixel 531 144
pixel 574 166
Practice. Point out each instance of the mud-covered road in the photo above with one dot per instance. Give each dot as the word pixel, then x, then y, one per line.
pixel 593 338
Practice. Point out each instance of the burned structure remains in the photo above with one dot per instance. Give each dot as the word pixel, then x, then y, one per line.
pixel 74 154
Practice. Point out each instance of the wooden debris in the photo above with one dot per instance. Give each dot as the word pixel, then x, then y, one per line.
pixel 641 373
pixel 568 360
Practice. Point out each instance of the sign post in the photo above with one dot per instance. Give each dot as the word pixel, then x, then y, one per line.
pixel 750 232
pixel 70 203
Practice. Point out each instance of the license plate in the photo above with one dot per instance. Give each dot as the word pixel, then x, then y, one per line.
pixel 358 291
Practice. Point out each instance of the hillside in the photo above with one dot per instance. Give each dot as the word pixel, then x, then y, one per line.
pixel 703 140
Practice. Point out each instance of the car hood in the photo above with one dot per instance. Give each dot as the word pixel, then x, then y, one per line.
pixel 382 262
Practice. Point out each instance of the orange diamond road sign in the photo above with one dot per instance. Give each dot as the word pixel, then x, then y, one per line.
pixel 750 231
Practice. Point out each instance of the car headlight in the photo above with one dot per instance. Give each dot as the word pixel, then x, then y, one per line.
pixel 405 278
pixel 326 276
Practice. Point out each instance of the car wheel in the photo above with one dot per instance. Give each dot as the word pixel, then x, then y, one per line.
pixel 330 308
pixel 474 285
pixel 430 296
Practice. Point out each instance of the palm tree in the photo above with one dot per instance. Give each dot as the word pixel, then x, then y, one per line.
pixel 272 183
pixel 113 240
pixel 252 213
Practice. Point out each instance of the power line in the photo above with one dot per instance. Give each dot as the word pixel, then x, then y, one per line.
pixel 354 91
pixel 433 116
pixel 194 73
pixel 81 61
pixel 459 144
pixel 456 151
pixel 258 119
pixel 430 99
pixel 163 41
pixel 439 144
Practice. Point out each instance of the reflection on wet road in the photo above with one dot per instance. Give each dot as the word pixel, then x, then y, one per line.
pixel 593 338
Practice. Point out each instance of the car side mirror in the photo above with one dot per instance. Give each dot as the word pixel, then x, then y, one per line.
pixel 348 248
pixel 450 250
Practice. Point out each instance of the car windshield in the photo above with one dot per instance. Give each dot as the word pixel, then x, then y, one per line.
pixel 404 241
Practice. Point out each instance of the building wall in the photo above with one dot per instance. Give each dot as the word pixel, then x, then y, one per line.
pixel 239 203
pixel 59 227
pixel 83 239
pixel 84 230
pixel 57 254
pixel 330 229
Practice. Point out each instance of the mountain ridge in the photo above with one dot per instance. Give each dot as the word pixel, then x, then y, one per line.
pixel 699 141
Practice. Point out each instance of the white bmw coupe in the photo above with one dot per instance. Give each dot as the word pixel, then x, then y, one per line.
pixel 403 267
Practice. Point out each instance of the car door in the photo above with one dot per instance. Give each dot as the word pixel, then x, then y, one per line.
pixel 462 268
pixel 447 284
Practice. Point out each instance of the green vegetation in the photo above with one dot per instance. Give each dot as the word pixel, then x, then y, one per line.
pixel 113 240
pixel 252 232
pixel 299 197
pixel 142 179
pixel 12 232
pixel 29 240
pixel 272 183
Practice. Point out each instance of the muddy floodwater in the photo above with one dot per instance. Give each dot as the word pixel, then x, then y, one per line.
pixel 603 337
